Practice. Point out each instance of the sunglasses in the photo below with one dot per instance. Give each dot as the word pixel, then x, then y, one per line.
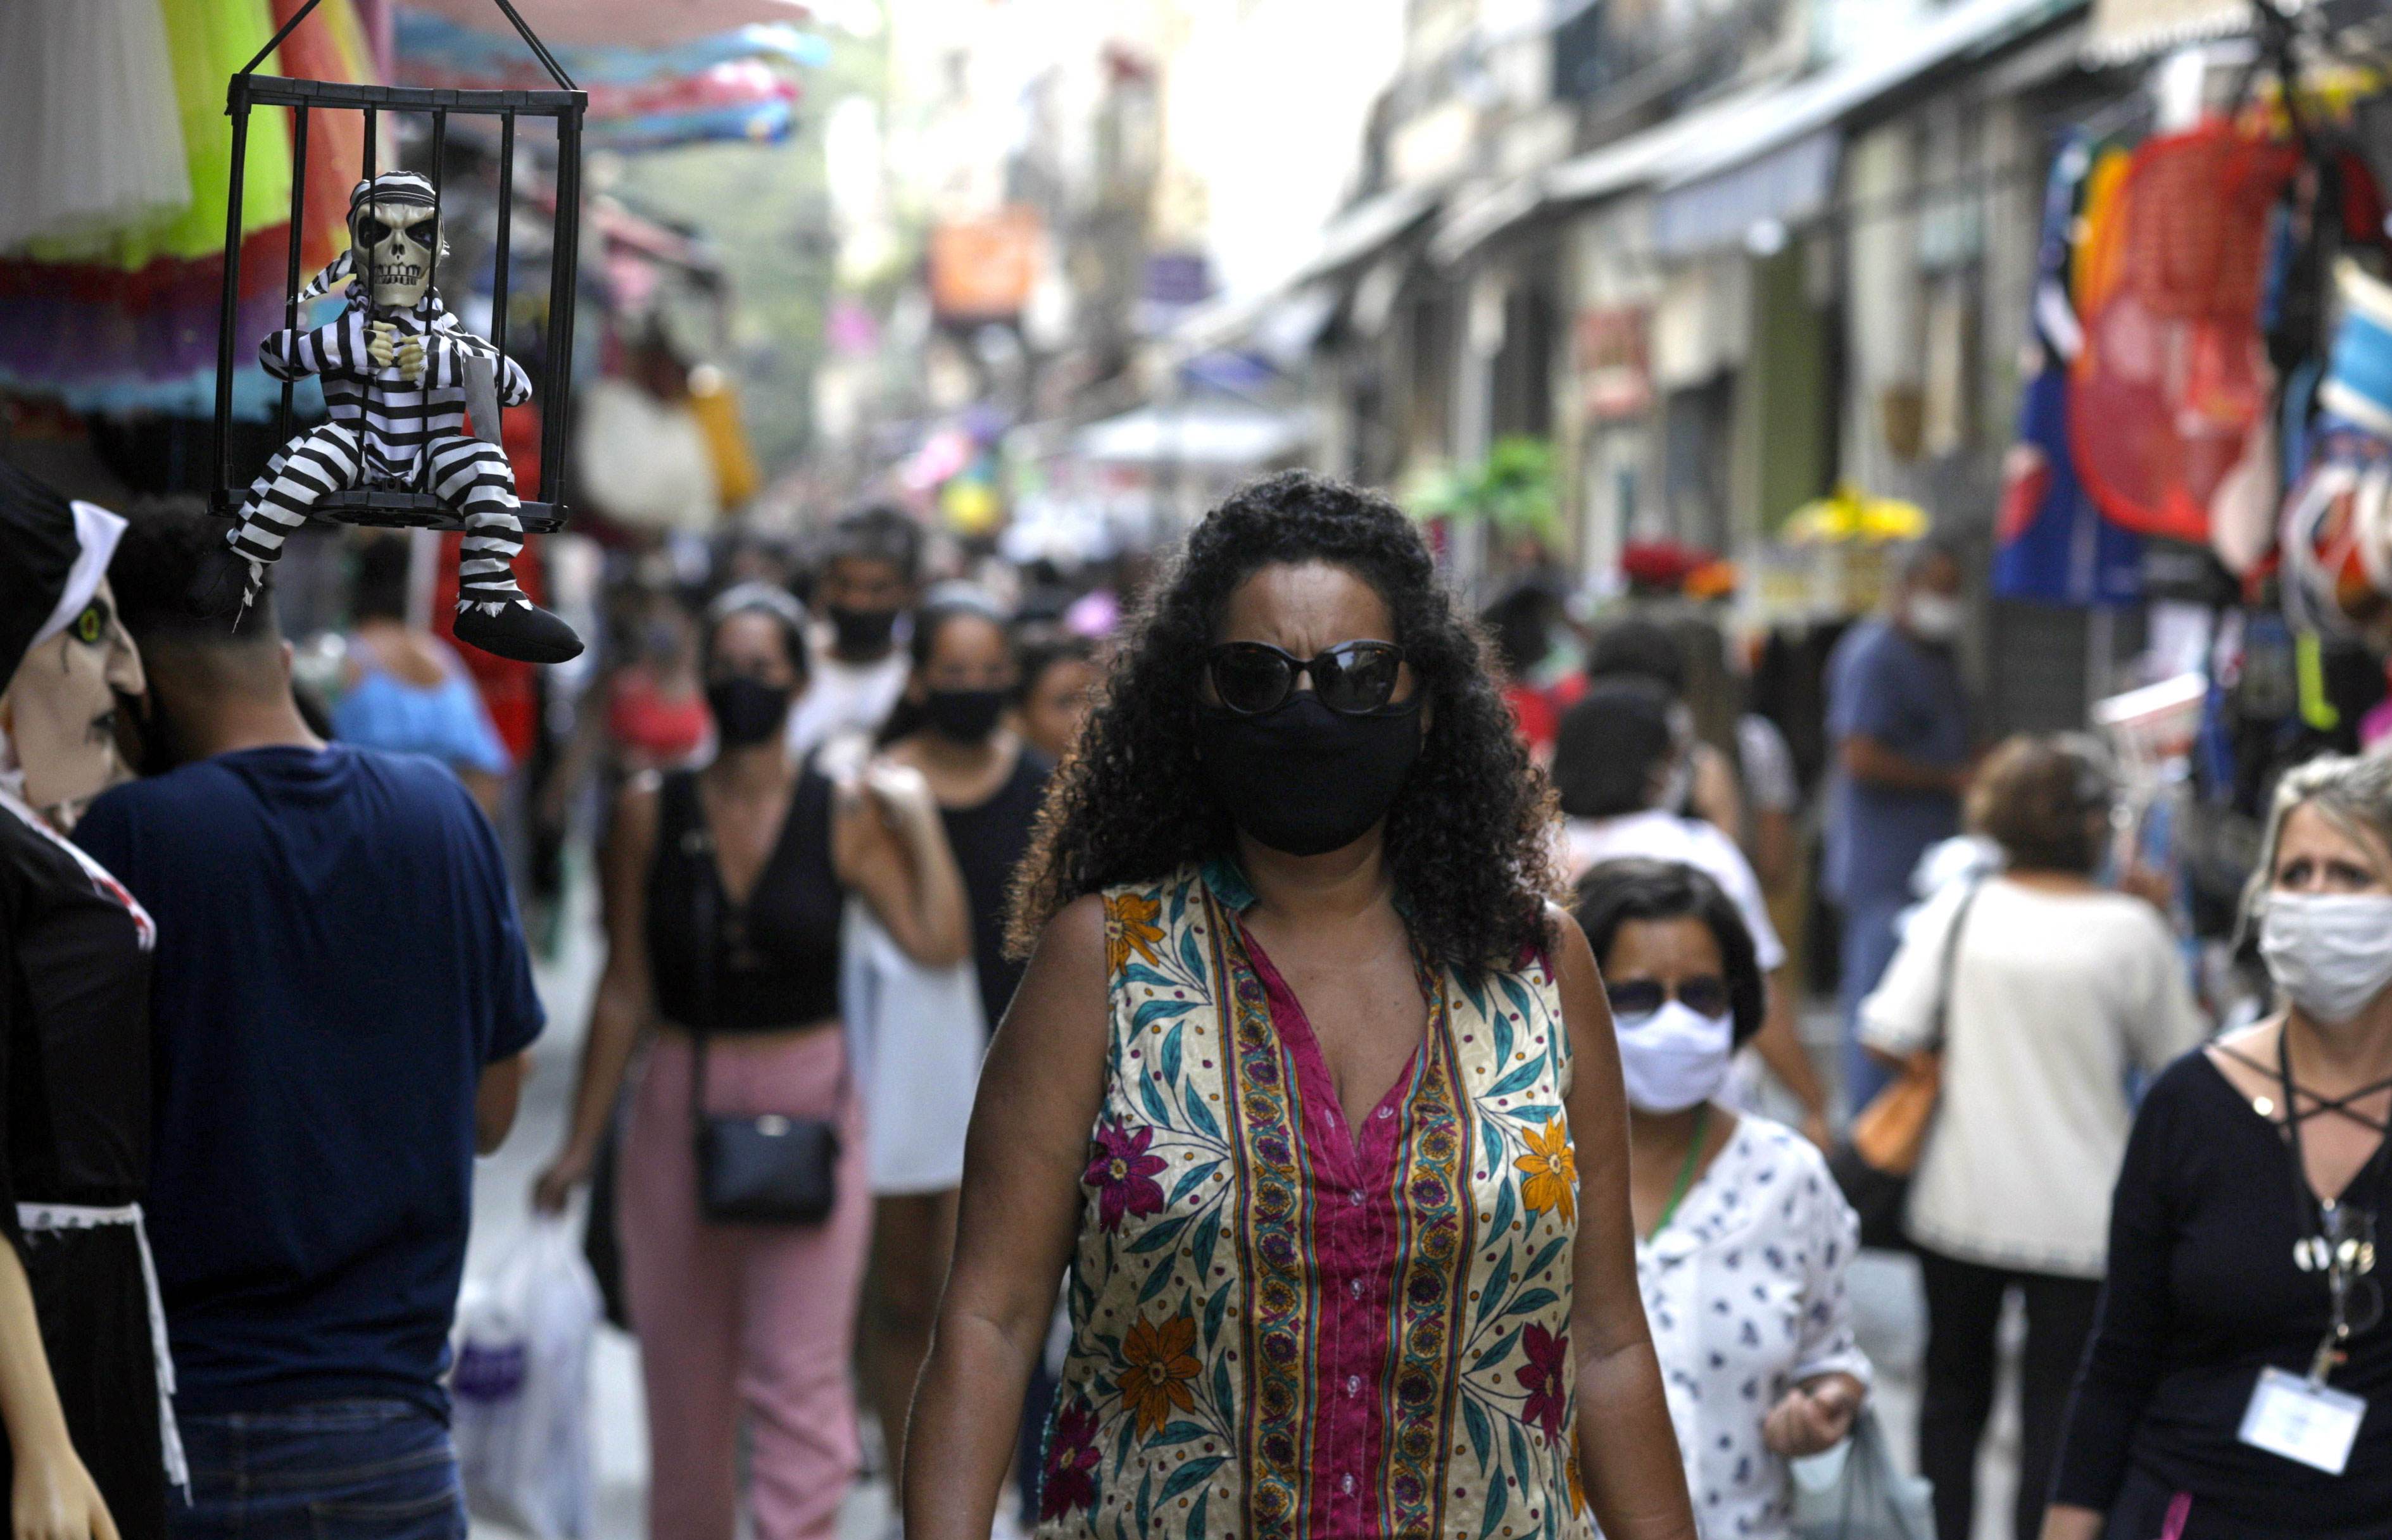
pixel 1353 679
pixel 1705 994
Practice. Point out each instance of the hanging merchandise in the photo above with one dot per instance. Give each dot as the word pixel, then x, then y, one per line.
pixel 2051 545
pixel 126 318
pixel 2337 523
pixel 2174 376
pixel 207 40
pixel 399 374
pixel 88 129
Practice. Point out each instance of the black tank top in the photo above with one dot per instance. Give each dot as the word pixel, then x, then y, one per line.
pixel 988 841
pixel 775 962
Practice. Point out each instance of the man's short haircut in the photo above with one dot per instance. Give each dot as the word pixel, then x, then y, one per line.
pixel 163 546
pixel 1925 552
pixel 878 533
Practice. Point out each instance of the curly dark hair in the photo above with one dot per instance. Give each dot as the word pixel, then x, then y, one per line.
pixel 1467 837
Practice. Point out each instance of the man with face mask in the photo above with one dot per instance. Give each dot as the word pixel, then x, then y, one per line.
pixel 864 588
pixel 83 1375
pixel 1898 720
pixel 395 366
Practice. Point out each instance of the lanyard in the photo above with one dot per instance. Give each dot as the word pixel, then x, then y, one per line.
pixel 1685 1172
pixel 2335 1239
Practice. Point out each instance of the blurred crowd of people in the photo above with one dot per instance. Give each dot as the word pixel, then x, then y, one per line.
pixel 839 793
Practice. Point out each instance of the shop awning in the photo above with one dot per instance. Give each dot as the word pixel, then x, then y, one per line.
pixel 1826 98
pixel 2125 31
pixel 1365 229
pixel 1788 186
pixel 1765 152
pixel 1195 433
pixel 1287 317
pixel 618 23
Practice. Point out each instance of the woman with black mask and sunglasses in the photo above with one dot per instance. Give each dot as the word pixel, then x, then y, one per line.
pixel 1742 1237
pixel 1310 1088
pixel 725 890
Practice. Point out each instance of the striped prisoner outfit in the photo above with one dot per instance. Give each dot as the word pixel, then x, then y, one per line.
pixel 387 431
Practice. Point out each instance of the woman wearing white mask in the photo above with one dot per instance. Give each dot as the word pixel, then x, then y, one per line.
pixel 1743 1237
pixel 2238 1385
pixel 2047 989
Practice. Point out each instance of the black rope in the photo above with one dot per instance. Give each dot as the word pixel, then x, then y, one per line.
pixel 276 41
pixel 555 70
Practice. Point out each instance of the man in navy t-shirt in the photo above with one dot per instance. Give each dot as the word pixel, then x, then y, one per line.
pixel 341 999
pixel 1898 716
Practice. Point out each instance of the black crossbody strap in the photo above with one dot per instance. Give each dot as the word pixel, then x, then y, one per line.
pixel 697 844
pixel 1950 964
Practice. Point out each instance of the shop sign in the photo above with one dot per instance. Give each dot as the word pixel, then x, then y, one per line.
pixel 984 269
pixel 1615 363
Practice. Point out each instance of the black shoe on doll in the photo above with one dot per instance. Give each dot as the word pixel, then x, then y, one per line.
pixel 517 629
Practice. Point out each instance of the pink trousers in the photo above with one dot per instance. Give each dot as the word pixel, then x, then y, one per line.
pixel 743 1318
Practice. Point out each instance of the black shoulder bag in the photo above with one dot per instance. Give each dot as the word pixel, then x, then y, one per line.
pixel 766 1168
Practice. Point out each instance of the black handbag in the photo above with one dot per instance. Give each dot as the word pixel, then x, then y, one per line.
pixel 766 1168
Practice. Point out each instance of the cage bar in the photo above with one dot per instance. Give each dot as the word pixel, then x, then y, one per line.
pixel 228 312
pixel 298 224
pixel 506 238
pixel 439 171
pixel 564 263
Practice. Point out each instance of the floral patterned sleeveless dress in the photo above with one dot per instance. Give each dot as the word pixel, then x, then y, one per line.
pixel 1283 1327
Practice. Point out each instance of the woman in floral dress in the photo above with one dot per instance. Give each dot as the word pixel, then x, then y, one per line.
pixel 1310 1088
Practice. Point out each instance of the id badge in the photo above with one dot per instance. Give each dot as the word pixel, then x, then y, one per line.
pixel 2312 1424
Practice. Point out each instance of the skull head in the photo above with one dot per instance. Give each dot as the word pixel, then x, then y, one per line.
pixel 394 234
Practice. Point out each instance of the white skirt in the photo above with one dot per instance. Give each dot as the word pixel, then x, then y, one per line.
pixel 918 1035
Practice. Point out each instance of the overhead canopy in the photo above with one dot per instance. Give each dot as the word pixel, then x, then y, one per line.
pixel 1767 152
pixel 1288 317
pixel 1790 185
pixel 1826 98
pixel 1195 433
pixel 2127 30
pixel 622 23
pixel 1363 230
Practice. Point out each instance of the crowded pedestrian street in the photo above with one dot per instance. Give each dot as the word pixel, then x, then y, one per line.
pixel 1195 769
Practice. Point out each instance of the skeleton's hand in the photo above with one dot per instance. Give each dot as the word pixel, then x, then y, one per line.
pixel 378 342
pixel 411 359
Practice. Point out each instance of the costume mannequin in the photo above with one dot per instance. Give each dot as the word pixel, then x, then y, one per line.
pixel 85 1445
pixel 393 367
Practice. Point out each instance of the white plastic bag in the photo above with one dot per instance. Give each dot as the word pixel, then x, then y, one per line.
pixel 521 1386
pixel 918 1035
pixel 1853 1491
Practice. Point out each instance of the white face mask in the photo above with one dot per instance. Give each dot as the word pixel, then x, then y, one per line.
pixel 1936 617
pixel 1673 1059
pixel 2331 952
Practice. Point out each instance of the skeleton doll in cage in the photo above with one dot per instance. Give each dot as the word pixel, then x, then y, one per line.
pixel 394 370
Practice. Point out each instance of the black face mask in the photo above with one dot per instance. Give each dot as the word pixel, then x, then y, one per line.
pixel 861 630
pixel 747 710
pixel 966 715
pixel 1304 779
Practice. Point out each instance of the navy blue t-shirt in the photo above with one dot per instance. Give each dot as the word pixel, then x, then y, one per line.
pixel 1908 696
pixel 338 958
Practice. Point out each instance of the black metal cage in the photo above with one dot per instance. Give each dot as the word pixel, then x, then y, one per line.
pixel 394 507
